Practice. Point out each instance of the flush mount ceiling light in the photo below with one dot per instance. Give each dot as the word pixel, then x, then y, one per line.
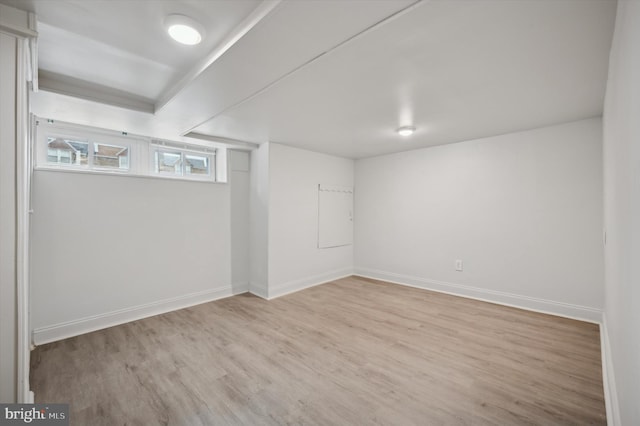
pixel 406 130
pixel 183 29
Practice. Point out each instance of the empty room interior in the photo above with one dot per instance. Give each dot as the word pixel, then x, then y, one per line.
pixel 323 212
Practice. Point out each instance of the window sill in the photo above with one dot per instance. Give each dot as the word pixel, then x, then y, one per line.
pixel 123 174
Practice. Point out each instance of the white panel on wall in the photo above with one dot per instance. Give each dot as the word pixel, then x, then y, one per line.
pixel 335 216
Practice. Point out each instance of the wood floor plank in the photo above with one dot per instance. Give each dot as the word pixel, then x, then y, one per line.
pixel 353 351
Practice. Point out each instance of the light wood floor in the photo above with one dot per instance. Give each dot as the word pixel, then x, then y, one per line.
pixel 351 352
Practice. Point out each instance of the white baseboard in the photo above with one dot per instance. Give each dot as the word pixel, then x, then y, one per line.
pixel 300 284
pixel 608 377
pixel 68 329
pixel 561 309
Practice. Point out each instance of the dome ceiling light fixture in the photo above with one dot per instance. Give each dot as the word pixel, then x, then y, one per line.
pixel 183 29
pixel 406 130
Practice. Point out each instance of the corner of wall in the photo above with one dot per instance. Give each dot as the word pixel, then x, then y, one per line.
pixel 608 377
pixel 312 281
pixel 259 290
pixel 259 220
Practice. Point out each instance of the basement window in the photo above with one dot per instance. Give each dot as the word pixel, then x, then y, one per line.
pixel 113 157
pixel 61 151
pixel 197 165
pixel 72 147
pixel 168 163
pixel 73 153
pixel 184 163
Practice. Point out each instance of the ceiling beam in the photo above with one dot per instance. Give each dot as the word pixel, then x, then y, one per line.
pixel 395 15
pixel 232 143
pixel 258 14
pixel 69 86
pixel 17 22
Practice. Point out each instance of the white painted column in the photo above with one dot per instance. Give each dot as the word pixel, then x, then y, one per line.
pixel 16 46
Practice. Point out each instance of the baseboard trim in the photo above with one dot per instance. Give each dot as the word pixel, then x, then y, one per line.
pixel 567 310
pixel 73 328
pixel 608 377
pixel 312 281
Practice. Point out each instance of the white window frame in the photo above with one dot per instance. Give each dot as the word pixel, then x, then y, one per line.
pixel 50 130
pixel 45 148
pixel 154 162
pixel 114 145
pixel 163 146
pixel 141 152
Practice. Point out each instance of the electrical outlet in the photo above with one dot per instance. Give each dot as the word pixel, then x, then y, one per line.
pixel 458 265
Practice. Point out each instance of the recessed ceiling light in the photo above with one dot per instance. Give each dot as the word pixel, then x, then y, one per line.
pixel 406 130
pixel 183 29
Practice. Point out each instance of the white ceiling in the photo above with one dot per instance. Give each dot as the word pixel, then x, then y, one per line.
pixel 331 76
pixel 122 43
pixel 456 70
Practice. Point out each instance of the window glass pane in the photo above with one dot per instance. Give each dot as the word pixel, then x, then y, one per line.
pixel 168 162
pixel 196 165
pixel 66 151
pixel 110 156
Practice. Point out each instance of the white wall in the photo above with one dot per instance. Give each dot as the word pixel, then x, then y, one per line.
pixel 622 218
pixel 239 183
pixel 522 211
pixel 8 237
pixel 295 261
pixel 110 249
pixel 259 220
